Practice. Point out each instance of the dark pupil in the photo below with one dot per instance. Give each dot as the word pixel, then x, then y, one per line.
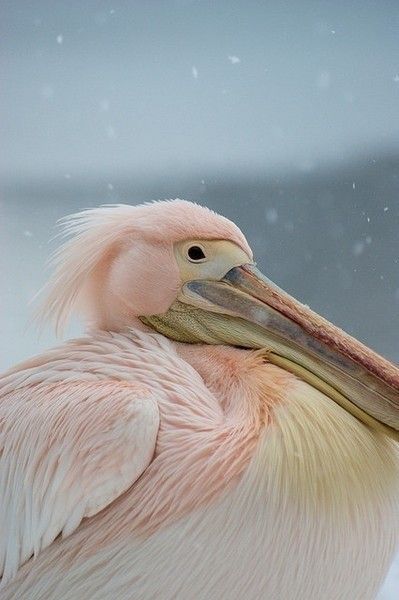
pixel 195 253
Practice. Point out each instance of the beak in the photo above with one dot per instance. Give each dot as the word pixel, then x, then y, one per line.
pixel 246 309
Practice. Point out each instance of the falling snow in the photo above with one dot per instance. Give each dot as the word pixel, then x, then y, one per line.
pixel 110 131
pixel 271 215
pixel 194 72
pixel 289 226
pixel 47 92
pixel 60 39
pixel 358 248
pixel 234 59
pixel 324 80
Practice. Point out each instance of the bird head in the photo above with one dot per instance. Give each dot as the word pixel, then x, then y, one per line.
pixel 189 274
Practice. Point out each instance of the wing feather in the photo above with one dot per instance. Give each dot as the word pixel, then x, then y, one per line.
pixel 67 450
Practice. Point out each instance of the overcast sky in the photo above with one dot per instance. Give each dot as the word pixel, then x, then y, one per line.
pixel 150 86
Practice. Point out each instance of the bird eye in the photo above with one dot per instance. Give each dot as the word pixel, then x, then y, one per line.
pixel 195 254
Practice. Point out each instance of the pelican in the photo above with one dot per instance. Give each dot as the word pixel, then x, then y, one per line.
pixel 209 437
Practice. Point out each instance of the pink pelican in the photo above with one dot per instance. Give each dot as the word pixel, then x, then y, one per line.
pixel 208 438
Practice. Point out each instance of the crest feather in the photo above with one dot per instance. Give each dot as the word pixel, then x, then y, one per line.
pixel 90 235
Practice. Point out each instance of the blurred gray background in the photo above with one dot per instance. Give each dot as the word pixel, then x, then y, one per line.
pixel 282 115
